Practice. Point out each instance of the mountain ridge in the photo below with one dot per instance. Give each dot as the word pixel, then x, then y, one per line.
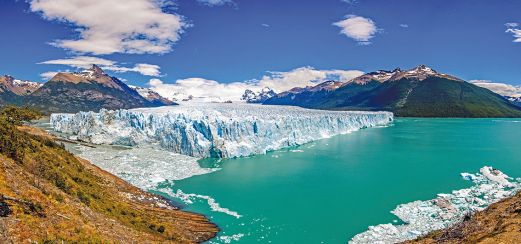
pixel 89 89
pixel 418 92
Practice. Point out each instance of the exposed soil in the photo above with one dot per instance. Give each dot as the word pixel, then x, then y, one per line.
pixel 499 223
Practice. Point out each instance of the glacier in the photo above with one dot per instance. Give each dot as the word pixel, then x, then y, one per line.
pixel 214 129
pixel 423 217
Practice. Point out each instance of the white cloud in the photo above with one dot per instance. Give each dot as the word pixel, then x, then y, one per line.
pixel 512 28
pixel 278 81
pixel 84 62
pixel 265 25
pixel 215 2
pixel 499 88
pixel 200 88
pixel 48 75
pixel 358 28
pixel 144 69
pixel 304 76
pixel 114 26
pixel 81 62
pixel 404 25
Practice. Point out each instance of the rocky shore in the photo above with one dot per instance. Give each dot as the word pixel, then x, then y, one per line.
pixel 499 223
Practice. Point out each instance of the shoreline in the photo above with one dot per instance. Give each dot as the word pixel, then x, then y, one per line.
pixel 420 218
pixel 144 205
pixel 498 223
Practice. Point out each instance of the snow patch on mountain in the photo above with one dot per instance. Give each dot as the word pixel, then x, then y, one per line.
pixel 151 95
pixel 258 97
pixel 19 87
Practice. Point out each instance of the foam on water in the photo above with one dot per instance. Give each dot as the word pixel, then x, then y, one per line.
pixel 230 238
pixel 422 217
pixel 188 198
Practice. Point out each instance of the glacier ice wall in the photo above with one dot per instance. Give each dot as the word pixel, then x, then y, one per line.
pixel 423 217
pixel 214 130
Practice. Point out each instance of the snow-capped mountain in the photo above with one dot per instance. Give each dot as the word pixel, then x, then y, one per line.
pixel 91 73
pixel 152 96
pixel 420 73
pixel 514 100
pixel 418 92
pixel 87 90
pixel 18 87
pixel 258 97
pixel 380 76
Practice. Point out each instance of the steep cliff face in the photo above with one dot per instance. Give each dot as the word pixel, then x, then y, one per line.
pixel 215 130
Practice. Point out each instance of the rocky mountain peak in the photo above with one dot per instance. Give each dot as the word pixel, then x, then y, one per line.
pixel 18 87
pixel 420 72
pixel 97 70
pixel 252 97
pixel 91 73
pixel 422 69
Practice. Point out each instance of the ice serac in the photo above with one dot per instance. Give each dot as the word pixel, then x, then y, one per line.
pixel 214 130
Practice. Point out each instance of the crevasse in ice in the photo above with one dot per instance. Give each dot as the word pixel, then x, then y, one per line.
pixel 214 130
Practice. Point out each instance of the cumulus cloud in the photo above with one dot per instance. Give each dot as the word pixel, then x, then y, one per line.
pixel 84 62
pixel 278 81
pixel 304 76
pixel 513 28
pixel 404 25
pixel 215 2
pixel 499 88
pixel 358 28
pixel 114 26
pixel 48 75
pixel 200 88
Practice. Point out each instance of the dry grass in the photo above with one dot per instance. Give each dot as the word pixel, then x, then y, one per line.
pixel 499 223
pixel 75 201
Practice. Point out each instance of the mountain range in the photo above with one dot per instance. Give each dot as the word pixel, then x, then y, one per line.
pixel 418 92
pixel 90 89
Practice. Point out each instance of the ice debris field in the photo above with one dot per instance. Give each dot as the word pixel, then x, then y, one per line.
pixel 214 130
pixel 422 217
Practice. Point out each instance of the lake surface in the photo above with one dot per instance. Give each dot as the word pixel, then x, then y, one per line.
pixel 330 190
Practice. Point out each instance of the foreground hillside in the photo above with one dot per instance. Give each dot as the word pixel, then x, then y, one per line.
pixel 47 194
pixel 419 92
pixel 499 223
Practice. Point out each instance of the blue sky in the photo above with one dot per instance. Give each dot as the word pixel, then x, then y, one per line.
pixel 233 41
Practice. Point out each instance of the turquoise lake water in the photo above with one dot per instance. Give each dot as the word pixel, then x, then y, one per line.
pixel 329 190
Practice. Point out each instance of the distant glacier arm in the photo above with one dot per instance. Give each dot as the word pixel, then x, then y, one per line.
pixel 214 130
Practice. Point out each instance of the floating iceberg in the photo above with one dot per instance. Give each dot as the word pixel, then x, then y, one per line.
pixel 422 217
pixel 214 130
